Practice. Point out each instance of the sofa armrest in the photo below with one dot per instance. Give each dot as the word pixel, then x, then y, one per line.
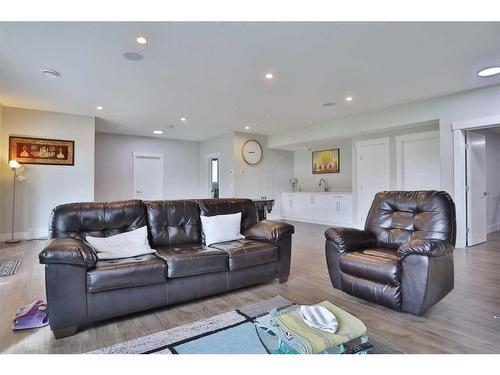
pixel 68 251
pixel 430 248
pixel 350 239
pixel 269 230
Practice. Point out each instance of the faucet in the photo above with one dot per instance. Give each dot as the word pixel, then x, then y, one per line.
pixel 325 184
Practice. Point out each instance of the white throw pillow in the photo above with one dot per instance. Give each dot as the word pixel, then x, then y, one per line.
pixel 221 228
pixel 123 245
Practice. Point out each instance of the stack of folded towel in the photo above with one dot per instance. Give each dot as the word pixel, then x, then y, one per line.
pixel 34 315
pixel 313 331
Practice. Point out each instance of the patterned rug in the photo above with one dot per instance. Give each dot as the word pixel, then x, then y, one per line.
pixel 232 332
pixel 9 267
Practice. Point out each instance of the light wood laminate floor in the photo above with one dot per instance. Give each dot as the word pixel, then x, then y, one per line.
pixel 461 323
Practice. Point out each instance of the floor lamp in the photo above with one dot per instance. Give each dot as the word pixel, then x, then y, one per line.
pixel 16 168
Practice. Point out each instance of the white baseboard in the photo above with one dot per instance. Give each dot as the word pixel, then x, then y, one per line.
pixel 493 227
pixel 27 235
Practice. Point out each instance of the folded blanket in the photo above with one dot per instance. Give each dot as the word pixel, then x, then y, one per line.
pixel 315 340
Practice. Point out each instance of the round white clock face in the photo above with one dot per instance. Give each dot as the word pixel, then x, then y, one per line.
pixel 252 152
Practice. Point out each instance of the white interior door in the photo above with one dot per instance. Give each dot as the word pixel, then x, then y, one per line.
pixel 373 173
pixel 148 176
pixel 476 188
pixel 418 161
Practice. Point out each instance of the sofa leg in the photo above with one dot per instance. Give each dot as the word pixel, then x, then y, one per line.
pixel 283 279
pixel 65 332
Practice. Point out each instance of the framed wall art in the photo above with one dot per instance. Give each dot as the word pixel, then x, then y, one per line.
pixel 326 161
pixel 41 151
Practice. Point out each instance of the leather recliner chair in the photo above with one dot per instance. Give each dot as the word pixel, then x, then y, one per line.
pixel 403 259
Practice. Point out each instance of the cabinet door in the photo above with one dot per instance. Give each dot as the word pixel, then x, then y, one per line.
pixel 343 206
pixel 324 208
pixel 286 205
pixel 302 207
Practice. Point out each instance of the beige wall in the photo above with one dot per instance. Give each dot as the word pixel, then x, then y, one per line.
pixel 46 186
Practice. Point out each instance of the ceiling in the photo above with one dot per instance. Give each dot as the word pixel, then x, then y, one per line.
pixel 213 73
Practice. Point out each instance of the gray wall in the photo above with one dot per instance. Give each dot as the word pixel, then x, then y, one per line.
pixel 268 178
pixel 342 181
pixel 238 179
pixel 46 186
pixel 223 145
pixel 114 164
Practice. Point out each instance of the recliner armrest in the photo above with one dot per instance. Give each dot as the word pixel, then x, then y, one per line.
pixel 269 230
pixel 68 250
pixel 430 248
pixel 350 239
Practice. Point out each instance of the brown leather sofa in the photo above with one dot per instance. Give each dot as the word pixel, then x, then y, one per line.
pixel 403 259
pixel 82 289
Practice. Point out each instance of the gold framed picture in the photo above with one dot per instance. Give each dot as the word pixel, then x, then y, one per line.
pixel 41 151
pixel 326 161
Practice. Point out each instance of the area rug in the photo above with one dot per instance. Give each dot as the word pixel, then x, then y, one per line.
pixel 9 267
pixel 232 332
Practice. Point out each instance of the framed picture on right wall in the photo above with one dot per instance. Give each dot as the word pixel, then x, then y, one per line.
pixel 326 161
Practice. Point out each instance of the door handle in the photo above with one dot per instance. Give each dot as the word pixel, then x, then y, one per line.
pixel 486 193
pixel 139 191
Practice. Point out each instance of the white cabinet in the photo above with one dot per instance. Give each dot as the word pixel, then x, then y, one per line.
pixel 323 208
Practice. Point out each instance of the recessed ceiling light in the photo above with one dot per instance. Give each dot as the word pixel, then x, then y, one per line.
pixel 488 72
pixel 50 73
pixel 348 99
pixel 247 127
pixel 269 76
pixel 141 40
pixel 99 108
pixel 328 104
pixel 183 119
pixel 159 132
pixel 133 56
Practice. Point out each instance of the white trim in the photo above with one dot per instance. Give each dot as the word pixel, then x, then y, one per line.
pixel 152 155
pixel 386 142
pixel 400 139
pixel 207 167
pixel 459 168
pixel 476 123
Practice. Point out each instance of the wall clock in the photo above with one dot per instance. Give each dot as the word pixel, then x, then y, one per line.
pixel 252 152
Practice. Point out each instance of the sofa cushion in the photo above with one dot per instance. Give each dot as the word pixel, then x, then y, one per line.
pixel 380 265
pixel 193 259
pixel 125 273
pixel 248 253
pixel 173 222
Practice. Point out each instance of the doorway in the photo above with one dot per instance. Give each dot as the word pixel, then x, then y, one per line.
pixel 213 175
pixel 373 173
pixel 148 176
pixel 477 182
pixel 482 183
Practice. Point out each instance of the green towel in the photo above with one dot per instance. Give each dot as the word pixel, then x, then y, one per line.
pixel 316 340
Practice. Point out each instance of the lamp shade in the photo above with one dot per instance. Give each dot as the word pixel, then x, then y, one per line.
pixel 14 164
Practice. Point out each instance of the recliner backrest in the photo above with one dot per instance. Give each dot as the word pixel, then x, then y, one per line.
pixel 397 217
pixel 96 219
